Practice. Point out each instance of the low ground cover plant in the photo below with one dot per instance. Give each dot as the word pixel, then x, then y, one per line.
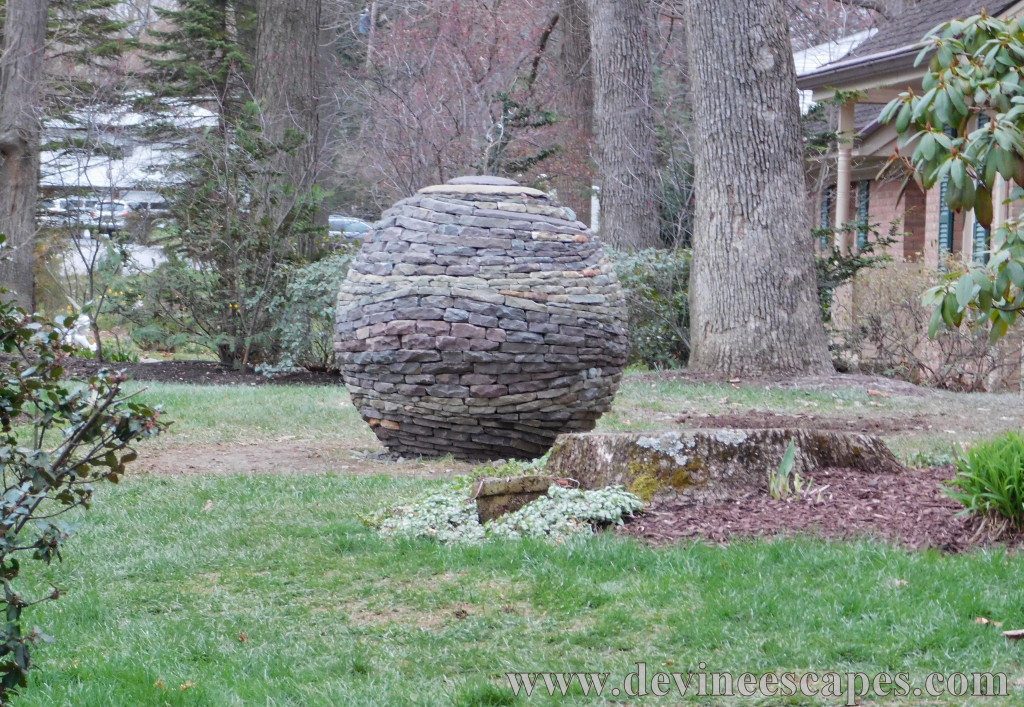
pixel 450 516
pixel 990 481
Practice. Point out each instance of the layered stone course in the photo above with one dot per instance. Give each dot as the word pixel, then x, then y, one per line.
pixel 480 319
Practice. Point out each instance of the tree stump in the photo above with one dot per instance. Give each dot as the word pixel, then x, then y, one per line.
pixel 480 319
pixel 709 465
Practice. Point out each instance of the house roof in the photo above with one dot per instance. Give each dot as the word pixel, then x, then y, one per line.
pixel 895 45
pixel 918 18
pixel 813 58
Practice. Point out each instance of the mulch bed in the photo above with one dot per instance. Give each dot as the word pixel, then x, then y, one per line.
pixel 907 509
pixel 196 372
pixel 759 420
pixel 879 386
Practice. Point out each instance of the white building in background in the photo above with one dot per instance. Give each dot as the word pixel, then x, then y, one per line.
pixel 107 152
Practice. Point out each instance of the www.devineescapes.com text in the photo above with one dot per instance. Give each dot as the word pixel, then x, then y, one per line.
pixel 850 687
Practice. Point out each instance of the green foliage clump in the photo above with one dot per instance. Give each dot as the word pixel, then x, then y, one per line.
pixel 990 479
pixel 835 268
pixel 965 130
pixel 508 468
pixel 565 513
pixel 305 313
pixel 450 516
pixel 783 482
pixel 57 440
pixel 656 283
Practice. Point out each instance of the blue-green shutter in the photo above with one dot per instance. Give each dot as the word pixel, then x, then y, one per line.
pixel 946 222
pixel 982 235
pixel 863 209
pixel 947 217
pixel 827 208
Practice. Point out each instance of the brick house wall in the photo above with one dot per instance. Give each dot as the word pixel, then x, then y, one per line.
pixel 917 215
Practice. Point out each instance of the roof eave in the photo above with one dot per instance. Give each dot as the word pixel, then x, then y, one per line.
pixel 853 74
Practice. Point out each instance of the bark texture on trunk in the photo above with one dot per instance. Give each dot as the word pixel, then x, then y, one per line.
pixel 21 75
pixel 288 88
pixel 246 20
pixel 574 163
pixel 621 46
pixel 753 295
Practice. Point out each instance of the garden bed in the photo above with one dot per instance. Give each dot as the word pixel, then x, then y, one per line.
pixel 761 420
pixel 908 509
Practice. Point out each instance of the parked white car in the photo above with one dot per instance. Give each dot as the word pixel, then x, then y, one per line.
pixel 68 211
pixel 150 209
pixel 109 216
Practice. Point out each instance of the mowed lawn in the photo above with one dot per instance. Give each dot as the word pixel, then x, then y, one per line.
pixel 268 589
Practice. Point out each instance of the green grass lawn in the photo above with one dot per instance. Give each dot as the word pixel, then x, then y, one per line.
pixel 269 590
pixel 232 413
pixel 239 589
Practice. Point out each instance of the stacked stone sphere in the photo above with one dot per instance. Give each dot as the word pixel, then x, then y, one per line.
pixel 480 319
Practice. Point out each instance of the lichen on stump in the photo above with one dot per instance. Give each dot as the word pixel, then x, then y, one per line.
pixel 480 319
pixel 707 465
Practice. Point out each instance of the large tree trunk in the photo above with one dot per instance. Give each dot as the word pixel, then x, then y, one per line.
pixel 21 74
pixel 754 304
pixel 288 87
pixel 247 30
pixel 576 170
pixel 621 38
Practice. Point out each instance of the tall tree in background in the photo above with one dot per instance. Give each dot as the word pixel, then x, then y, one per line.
pixel 246 206
pixel 198 57
pixel 289 85
pixel 621 51
pixel 754 307
pixel 21 78
pixel 577 108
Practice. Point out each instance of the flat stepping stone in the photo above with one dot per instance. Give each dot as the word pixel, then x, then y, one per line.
pixel 711 464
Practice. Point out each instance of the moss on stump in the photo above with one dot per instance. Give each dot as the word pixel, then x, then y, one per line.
pixel 708 464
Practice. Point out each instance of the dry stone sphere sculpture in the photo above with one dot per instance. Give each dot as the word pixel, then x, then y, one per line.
pixel 480 319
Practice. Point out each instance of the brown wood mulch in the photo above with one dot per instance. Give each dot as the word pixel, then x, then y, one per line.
pixel 760 420
pixel 907 509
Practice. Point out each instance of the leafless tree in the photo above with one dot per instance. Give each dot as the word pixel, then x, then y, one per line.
pixel 621 37
pixel 289 83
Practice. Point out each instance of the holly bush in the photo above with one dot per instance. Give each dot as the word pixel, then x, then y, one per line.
pixel 965 130
pixel 58 438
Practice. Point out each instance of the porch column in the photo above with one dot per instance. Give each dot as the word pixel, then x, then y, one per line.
pixel 843 299
pixel 844 173
pixel 1000 193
